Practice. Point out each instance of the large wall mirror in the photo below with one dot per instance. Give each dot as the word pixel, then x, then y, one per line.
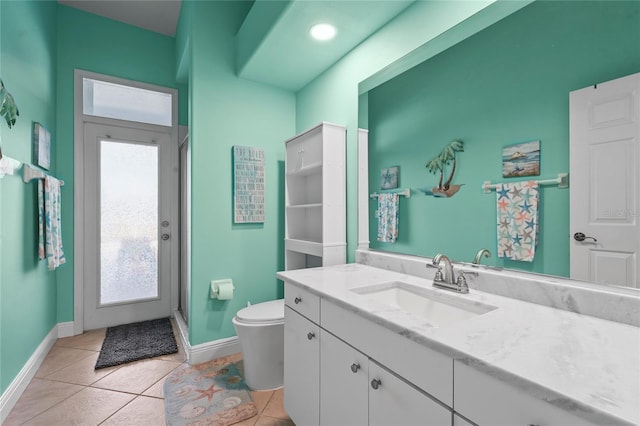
pixel 506 84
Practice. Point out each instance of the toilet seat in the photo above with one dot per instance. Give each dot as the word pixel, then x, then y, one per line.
pixel 262 313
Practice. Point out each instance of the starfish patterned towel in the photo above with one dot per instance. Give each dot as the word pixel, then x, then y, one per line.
pixel 387 215
pixel 517 220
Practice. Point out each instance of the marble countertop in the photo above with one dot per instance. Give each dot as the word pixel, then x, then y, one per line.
pixel 579 363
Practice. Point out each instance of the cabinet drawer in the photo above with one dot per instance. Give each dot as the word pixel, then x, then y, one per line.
pixel 302 301
pixel 427 369
pixel 488 401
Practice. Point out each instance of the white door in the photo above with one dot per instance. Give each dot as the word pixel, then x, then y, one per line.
pixel 604 165
pixel 128 197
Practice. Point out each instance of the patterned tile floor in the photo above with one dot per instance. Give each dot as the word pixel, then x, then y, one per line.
pixel 66 390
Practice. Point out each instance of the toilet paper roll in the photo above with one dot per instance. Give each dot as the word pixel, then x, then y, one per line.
pixel 224 290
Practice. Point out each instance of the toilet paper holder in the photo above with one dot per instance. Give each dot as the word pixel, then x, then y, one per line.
pixel 222 289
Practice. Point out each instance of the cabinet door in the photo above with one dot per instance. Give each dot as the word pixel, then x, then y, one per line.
pixel 343 383
pixel 486 400
pixel 459 421
pixel 392 401
pixel 301 368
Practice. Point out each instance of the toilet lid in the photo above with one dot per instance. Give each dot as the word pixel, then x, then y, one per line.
pixel 265 312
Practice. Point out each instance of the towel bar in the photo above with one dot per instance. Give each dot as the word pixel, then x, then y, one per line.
pixel 404 193
pixel 29 173
pixel 562 181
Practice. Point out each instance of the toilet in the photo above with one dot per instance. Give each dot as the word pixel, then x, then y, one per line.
pixel 260 329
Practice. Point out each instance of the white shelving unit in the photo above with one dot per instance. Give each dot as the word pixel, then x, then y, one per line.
pixel 315 213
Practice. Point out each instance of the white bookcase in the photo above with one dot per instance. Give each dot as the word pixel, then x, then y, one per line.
pixel 315 206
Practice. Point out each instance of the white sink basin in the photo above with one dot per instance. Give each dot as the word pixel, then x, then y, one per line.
pixel 437 308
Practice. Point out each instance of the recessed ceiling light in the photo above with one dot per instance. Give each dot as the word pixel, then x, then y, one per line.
pixel 323 32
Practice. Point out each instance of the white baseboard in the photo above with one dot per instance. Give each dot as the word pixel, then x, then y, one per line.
pixel 66 329
pixel 215 349
pixel 205 351
pixel 195 355
pixel 11 395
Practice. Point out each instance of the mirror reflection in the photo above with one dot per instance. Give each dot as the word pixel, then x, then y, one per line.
pixel 498 92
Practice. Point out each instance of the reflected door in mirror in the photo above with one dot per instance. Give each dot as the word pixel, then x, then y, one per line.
pixel 604 164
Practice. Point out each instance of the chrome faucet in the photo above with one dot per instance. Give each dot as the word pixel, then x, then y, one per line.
pixel 448 268
pixel 479 254
pixel 448 281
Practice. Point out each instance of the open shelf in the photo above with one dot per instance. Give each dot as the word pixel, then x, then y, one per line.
pixel 315 197
pixel 304 246
pixel 310 169
pixel 305 206
pixel 297 260
pixel 304 189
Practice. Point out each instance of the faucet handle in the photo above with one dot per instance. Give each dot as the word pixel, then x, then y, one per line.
pixel 438 276
pixel 462 283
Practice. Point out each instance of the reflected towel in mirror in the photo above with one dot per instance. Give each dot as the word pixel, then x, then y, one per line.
pixel 387 215
pixel 517 212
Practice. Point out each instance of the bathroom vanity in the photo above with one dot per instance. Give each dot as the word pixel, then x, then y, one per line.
pixel 369 345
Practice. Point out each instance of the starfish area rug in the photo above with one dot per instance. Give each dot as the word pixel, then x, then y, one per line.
pixel 207 394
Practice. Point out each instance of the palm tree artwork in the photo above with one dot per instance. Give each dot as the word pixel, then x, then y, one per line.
pixel 439 163
pixel 8 107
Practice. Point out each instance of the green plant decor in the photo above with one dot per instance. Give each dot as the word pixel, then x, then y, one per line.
pixel 8 107
pixel 439 163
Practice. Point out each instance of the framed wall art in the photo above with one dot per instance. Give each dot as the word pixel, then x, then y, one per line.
pixel 41 146
pixel 389 177
pixel 521 159
pixel 248 184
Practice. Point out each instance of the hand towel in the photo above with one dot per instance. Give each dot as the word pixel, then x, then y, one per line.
pixel 517 207
pixel 41 219
pixel 387 215
pixel 52 223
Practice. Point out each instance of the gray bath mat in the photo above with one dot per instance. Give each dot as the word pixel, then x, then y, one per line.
pixel 140 340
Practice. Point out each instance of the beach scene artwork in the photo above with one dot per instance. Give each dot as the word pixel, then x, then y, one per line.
pixel 521 159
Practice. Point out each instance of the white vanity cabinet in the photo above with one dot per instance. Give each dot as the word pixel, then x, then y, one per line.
pixel 329 382
pixel 302 355
pixel 488 401
pixel 460 421
pixel 315 197
pixel 302 368
pixel 343 383
pixel 355 391
pixel 392 401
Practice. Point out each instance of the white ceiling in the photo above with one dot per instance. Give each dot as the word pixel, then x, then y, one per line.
pixel 160 16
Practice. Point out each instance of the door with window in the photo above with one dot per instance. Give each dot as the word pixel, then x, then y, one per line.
pixel 127 228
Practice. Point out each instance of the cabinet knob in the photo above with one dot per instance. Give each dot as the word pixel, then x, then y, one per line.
pixel 297 300
pixel 355 367
pixel 375 383
pixel 311 335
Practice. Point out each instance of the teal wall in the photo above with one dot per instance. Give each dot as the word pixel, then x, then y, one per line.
pixel 506 84
pixel 27 289
pixel 227 111
pixel 93 43
pixel 333 96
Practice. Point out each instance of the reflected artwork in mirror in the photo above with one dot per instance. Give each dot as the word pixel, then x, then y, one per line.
pixel 507 83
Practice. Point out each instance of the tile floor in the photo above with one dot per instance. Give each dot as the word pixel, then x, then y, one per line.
pixel 66 390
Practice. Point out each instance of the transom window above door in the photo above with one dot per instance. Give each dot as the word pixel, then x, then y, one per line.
pixel 111 100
